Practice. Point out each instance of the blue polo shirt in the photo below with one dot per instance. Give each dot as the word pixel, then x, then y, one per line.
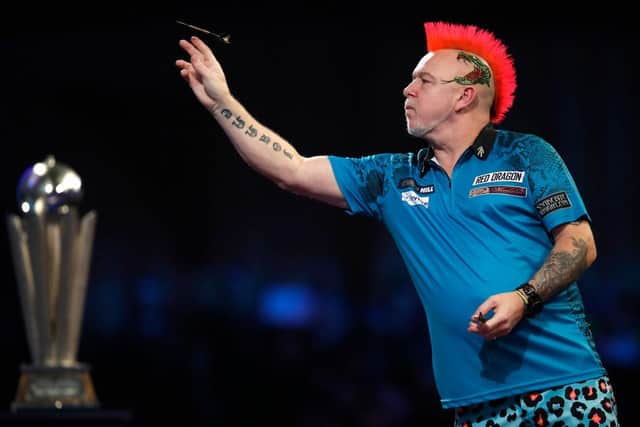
pixel 483 231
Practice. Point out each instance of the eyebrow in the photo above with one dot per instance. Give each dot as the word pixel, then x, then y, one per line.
pixel 422 74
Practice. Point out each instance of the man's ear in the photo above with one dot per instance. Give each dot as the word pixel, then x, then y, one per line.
pixel 466 97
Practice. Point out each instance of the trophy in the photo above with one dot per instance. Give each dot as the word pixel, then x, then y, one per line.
pixel 51 246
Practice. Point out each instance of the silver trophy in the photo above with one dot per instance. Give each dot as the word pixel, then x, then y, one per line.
pixel 51 248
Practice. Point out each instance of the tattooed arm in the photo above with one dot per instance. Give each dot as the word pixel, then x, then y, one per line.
pixel 272 156
pixel 574 250
pixel 260 147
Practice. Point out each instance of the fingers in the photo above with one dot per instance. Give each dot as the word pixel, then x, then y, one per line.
pixel 492 329
pixel 187 71
pixel 486 331
pixel 182 64
pixel 185 67
pixel 185 75
pixel 481 315
pixel 484 308
pixel 198 65
pixel 189 48
pixel 197 48
pixel 479 328
pixel 199 59
pixel 202 47
pixel 485 325
pixel 496 316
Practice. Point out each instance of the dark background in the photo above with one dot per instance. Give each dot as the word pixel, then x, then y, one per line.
pixel 217 299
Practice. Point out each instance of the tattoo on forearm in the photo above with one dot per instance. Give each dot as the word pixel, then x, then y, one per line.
pixel 238 122
pixel 252 131
pixel 561 268
pixel 265 139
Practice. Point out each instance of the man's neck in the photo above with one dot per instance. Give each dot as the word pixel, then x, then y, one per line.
pixel 452 142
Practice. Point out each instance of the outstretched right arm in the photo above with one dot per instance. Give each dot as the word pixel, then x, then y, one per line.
pixel 260 147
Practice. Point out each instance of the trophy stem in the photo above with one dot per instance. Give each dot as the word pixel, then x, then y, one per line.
pixel 36 242
pixel 68 246
pixel 77 245
pixel 26 287
pixel 53 261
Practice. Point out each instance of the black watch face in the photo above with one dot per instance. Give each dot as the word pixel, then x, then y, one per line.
pixel 536 306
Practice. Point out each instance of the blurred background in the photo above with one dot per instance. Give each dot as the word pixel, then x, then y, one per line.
pixel 215 298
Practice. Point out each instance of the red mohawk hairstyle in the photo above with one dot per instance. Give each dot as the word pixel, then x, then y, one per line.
pixel 442 35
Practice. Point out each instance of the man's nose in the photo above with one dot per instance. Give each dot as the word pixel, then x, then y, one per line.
pixel 408 90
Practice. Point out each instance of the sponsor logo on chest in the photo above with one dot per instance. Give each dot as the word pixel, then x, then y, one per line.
pixel 499 176
pixel 498 189
pixel 411 183
pixel 414 199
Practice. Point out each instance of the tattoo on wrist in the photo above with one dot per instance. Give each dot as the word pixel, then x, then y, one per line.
pixel 561 268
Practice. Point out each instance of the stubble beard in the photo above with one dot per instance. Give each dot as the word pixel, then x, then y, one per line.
pixel 419 132
pixel 424 131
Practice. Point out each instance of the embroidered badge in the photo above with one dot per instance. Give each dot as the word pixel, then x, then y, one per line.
pixel 553 203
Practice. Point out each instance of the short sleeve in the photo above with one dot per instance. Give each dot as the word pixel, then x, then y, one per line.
pixel 555 194
pixel 362 182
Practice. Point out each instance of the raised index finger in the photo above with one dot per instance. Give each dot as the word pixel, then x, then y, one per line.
pixel 202 47
pixel 189 48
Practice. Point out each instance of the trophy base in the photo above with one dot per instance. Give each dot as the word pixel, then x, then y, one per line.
pixel 56 387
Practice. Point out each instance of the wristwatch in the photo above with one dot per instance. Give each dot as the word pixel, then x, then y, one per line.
pixel 534 302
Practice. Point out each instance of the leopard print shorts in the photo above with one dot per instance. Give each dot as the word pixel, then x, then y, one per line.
pixel 583 404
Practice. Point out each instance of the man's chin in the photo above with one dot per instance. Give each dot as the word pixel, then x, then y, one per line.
pixel 417 132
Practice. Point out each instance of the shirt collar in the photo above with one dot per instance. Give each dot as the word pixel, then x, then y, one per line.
pixel 481 148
